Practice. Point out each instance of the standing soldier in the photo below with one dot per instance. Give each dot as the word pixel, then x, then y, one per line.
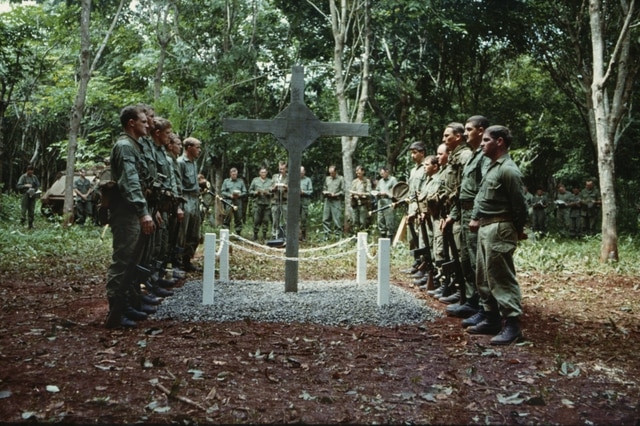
pixel 539 220
pixel 333 192
pixel 306 191
pixel 28 186
pixel 416 180
pixel 234 191
pixel 499 215
pixel 575 213
pixel 459 153
pixel 386 218
pixel 130 218
pixel 360 199
pixel 260 191
pixel 590 202
pixel 83 190
pixel 189 236
pixel 280 190
pixel 472 173
pixel 563 218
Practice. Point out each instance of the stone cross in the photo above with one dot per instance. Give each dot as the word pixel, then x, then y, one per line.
pixel 296 127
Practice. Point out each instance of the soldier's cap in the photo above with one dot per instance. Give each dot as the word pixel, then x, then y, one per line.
pixel 418 146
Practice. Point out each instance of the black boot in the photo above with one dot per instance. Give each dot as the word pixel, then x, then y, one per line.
pixel 475 319
pixel 510 332
pixel 149 299
pixel 115 317
pixel 464 310
pixel 157 290
pixel 491 325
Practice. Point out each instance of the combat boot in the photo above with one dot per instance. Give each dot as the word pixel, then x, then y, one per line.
pixel 148 309
pixel 464 310
pixel 452 298
pixel 474 319
pixel 115 317
pixel 149 299
pixel 157 290
pixel 510 332
pixel 491 325
pixel 134 314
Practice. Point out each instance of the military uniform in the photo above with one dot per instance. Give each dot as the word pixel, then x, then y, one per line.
pixel 360 202
pixel 563 212
pixel 501 209
pixel 306 191
pixel 417 178
pixel 230 188
pixel 84 206
pixel 28 201
pixel 260 191
pixel 279 185
pixel 333 191
pixel 189 236
pixel 590 202
pixel 386 218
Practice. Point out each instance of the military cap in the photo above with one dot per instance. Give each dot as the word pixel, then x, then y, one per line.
pixel 418 146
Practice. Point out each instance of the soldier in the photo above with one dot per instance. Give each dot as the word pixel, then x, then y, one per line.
pixel 83 190
pixel 234 191
pixel 360 199
pixel 590 203
pixel 383 194
pixel 459 153
pixel 499 216
pixel 189 236
pixel 28 186
pixel 306 191
pixel 563 218
pixel 539 204
pixel 416 180
pixel 174 149
pixel 260 191
pixel 130 218
pixel 333 192
pixel 575 214
pixel 280 191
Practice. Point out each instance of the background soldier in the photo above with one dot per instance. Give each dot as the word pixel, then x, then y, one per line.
pixel 28 186
pixel 306 191
pixel 590 202
pixel 563 218
pixel 83 190
pixel 234 191
pixel 280 190
pixel 386 218
pixel 360 199
pixel 189 236
pixel 333 192
pixel 416 180
pixel 260 191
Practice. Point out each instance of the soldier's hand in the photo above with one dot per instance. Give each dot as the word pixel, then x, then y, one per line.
pixel 180 214
pixel 474 225
pixel 146 222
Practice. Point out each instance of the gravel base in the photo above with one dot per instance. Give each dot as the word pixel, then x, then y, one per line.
pixel 327 303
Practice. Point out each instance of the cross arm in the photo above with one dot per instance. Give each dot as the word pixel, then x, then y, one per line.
pixel 249 126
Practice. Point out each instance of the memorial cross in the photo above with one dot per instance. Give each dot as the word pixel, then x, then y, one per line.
pixel 296 127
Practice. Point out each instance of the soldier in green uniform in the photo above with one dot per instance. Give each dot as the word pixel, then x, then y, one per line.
pixel 539 204
pixel 575 214
pixel 260 192
pixel 499 215
pixel 416 181
pixel 234 191
pixel 83 190
pixel 590 203
pixel 459 152
pixel 563 215
pixel 174 149
pixel 333 192
pixel 28 185
pixel 360 195
pixel 130 217
pixel 189 236
pixel 306 191
pixel 386 218
pixel 280 191
pixel 472 173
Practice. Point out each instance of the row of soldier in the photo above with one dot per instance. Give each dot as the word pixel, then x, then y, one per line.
pixel 466 212
pixel 151 203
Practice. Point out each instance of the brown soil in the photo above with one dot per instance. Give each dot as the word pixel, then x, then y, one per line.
pixel 579 363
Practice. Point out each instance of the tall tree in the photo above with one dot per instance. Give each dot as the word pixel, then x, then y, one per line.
pixel 86 68
pixel 611 87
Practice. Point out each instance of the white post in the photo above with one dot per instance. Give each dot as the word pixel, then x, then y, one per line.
pixel 224 255
pixel 361 272
pixel 209 273
pixel 384 275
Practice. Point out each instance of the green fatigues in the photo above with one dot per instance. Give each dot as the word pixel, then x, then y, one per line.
pixel 360 202
pixel 430 193
pixel 84 207
pixel 417 177
pixel 28 200
pixel 306 191
pixel 452 178
pixel 127 206
pixel 386 218
pixel 500 204
pixel 260 191
pixel 563 212
pixel 166 178
pixel 189 235
pixel 528 198
pixel 279 204
pixel 539 219
pixel 228 189
pixel 173 226
pixel 333 191
pixel 575 215
pixel 472 174
pixel 589 201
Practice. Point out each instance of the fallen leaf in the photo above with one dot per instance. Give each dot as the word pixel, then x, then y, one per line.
pixel 53 388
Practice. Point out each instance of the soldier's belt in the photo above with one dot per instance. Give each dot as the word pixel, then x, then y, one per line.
pixel 494 219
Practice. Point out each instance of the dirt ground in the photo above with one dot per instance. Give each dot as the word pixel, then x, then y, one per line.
pixel 579 363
